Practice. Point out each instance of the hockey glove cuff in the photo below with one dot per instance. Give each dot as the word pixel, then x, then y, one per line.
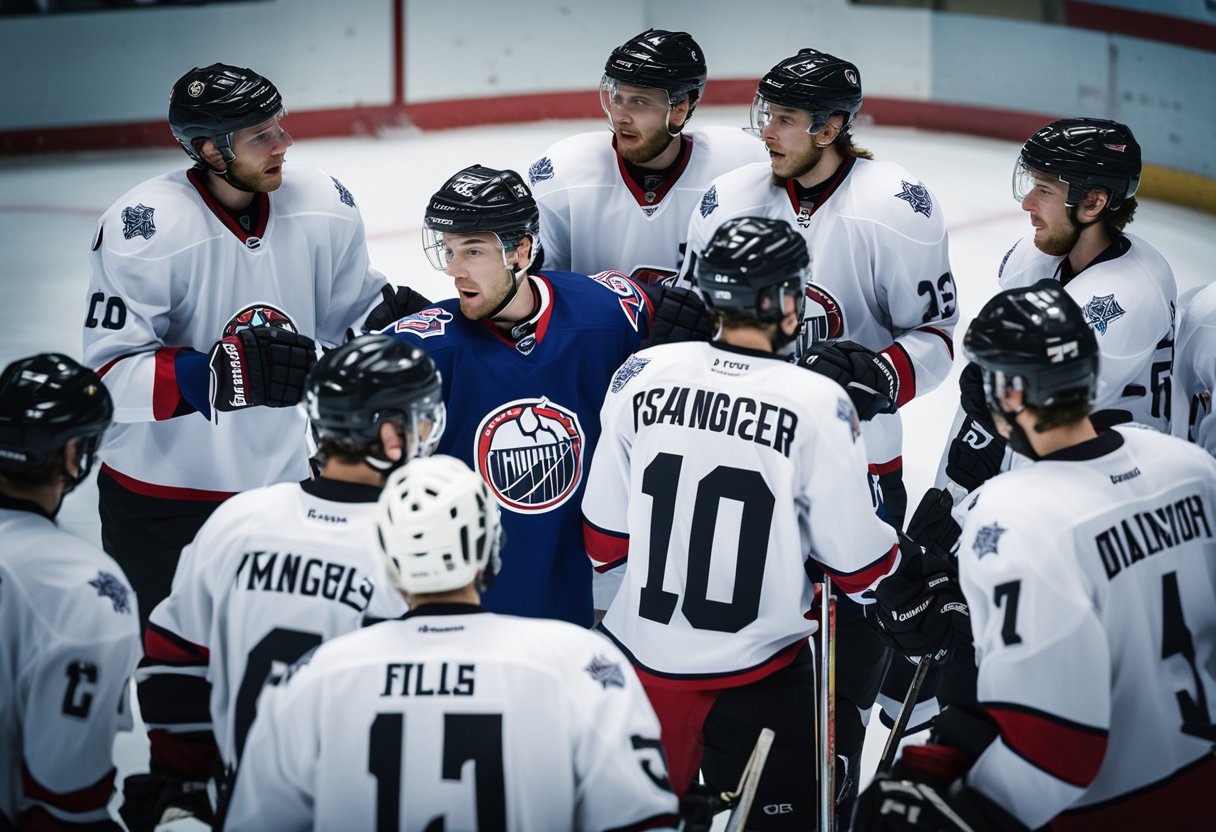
pixel 920 609
pixel 148 800
pixel 932 525
pixel 260 365
pixel 869 378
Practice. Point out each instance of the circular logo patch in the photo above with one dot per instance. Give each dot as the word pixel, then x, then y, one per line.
pixel 258 315
pixel 195 89
pixel 530 453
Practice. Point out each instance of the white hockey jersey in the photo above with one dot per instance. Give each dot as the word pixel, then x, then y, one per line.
pixel 456 718
pixel 720 470
pixel 594 217
pixel 272 573
pixel 880 270
pixel 1195 366
pixel 69 641
pixel 172 273
pixel 1090 577
pixel 1128 295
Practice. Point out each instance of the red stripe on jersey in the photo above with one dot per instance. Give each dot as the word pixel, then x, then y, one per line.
pixel 932 330
pixel 109 365
pixel 898 357
pixel 604 546
pixel 888 467
pixel 164 492
pixel 166 396
pixel 1068 751
pixel 160 645
pixel 711 681
pixel 1180 801
pixel 88 799
pixel 263 209
pixel 854 582
pixel 189 756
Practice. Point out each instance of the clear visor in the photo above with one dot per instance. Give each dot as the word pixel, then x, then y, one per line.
pixel 1025 179
pixel 762 115
pixel 443 248
pixel 426 421
pixel 996 385
pixel 633 101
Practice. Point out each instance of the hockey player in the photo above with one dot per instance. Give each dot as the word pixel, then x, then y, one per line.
pixel 722 472
pixel 525 357
pixel 1091 577
pixel 1077 178
pixel 453 718
pixel 277 570
pixel 623 203
pixel 69 627
pixel 208 289
pixel 1195 365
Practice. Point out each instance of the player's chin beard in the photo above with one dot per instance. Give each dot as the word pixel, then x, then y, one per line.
pixel 649 149
pixel 253 182
pixel 1060 243
pixel 803 163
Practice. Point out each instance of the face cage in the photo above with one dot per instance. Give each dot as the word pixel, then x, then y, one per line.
pixel 996 385
pixel 610 90
pixel 87 446
pixel 223 142
pixel 761 114
pixel 440 256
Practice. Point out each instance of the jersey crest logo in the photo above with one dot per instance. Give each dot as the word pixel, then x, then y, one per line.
pixel 632 366
pixel 709 201
pixel 540 170
pixel 846 414
pixel 258 314
pixel 343 194
pixel 987 539
pixel 137 220
pixel 822 317
pixel 108 586
pixel 1102 311
pixel 608 674
pixel 649 211
pixel 426 323
pixel 530 453
pixel 917 196
pixel 632 299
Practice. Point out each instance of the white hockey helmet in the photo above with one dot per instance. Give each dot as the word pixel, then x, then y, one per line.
pixel 437 527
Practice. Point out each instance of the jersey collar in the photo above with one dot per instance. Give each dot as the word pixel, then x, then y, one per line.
pixel 15 504
pixel 1105 443
pixel 826 189
pixel 722 345
pixel 656 196
pixel 536 326
pixel 338 491
pixel 445 608
pixel 263 200
pixel 1117 248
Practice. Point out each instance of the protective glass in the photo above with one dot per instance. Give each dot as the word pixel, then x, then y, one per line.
pixel 762 115
pixel 441 254
pixel 996 385
pixel 1024 180
pixel 637 102
pixel 426 421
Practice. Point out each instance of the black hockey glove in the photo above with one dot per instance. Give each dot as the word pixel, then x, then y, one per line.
pixel 869 378
pixel 975 454
pixel 679 315
pixel 149 800
pixel 399 302
pixel 920 609
pixel 261 365
pixel 932 525
pixel 890 805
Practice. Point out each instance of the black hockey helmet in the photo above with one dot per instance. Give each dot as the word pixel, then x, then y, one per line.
pixel 1037 340
pixel 214 102
pixel 1086 153
pixel 481 199
pixel 814 81
pixel 669 61
pixel 750 264
pixel 369 380
pixel 47 400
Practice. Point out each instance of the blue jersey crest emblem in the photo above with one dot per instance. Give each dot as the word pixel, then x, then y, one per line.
pixel 607 673
pixel 631 297
pixel 917 196
pixel 343 194
pixel 846 414
pixel 137 220
pixel 709 201
pixel 1102 311
pixel 425 324
pixel 108 586
pixel 632 366
pixel 540 170
pixel 987 539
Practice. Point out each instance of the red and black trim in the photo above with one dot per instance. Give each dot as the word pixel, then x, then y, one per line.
pixel 669 182
pixel 87 799
pixel 824 191
pixel 854 582
pixel 167 399
pixel 932 330
pixel 164 647
pixel 607 548
pixel 164 492
pixel 709 681
pixel 262 209
pixel 539 322
pixel 898 357
pixel 1068 751
pixel 1181 800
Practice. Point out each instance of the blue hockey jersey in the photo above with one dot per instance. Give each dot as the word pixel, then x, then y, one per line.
pixel 526 416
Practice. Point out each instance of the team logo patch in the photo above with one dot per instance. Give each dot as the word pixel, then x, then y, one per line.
pixel 258 314
pixel 196 88
pixel 709 201
pixel 987 539
pixel 137 220
pixel 343 194
pixel 540 170
pixel 917 196
pixel 1102 311
pixel 426 323
pixel 608 674
pixel 822 317
pixel 632 366
pixel 530 453
pixel 632 299
pixel 846 414
pixel 108 586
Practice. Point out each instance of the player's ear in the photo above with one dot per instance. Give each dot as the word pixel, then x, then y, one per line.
pixel 392 440
pixel 1093 204
pixel 71 458
pixel 210 154
pixel 523 253
pixel 679 114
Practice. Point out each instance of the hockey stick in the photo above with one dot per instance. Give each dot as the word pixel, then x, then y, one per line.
pixel 826 730
pixel 905 713
pixel 746 791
